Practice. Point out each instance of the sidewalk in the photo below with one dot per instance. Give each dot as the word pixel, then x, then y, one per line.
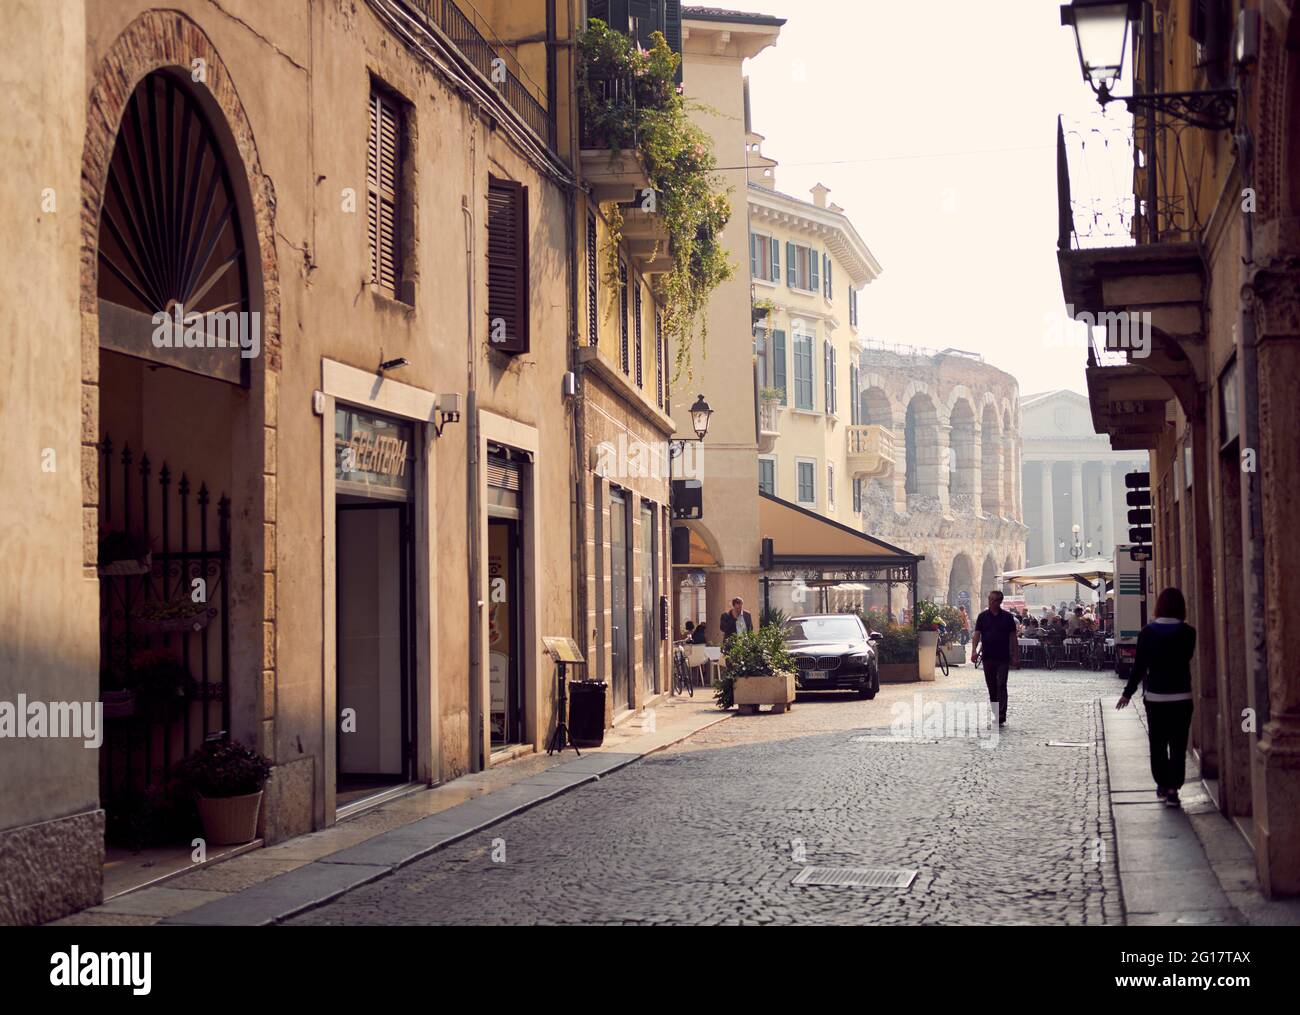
pixel 1177 866
pixel 270 884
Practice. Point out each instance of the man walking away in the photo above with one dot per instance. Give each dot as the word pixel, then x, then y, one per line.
pixel 995 640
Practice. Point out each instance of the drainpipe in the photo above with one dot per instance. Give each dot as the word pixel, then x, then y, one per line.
pixel 473 507
pixel 1252 509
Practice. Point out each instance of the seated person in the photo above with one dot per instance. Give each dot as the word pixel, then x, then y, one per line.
pixel 696 633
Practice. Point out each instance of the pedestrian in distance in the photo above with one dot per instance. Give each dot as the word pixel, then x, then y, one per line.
pixel 995 641
pixel 735 620
pixel 1163 667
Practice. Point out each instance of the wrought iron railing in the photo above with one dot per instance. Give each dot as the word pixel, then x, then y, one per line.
pixel 164 647
pixel 607 113
pixel 1124 181
pixel 474 37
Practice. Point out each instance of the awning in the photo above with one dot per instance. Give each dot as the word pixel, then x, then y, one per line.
pixel 803 536
pixel 1085 571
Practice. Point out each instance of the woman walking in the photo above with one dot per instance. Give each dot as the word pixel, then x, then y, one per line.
pixel 1163 667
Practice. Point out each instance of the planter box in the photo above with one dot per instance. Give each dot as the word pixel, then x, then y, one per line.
pixel 899 673
pixel 956 654
pixel 194 622
pixel 229 820
pixel 926 643
pixel 776 690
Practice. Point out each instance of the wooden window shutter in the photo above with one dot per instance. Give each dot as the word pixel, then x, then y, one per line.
pixel 791 279
pixel 637 318
pixel 507 256
pixel 622 315
pixel 812 268
pixel 776 260
pixel 383 166
pixel 835 383
pixel 830 282
pixel 826 376
pixel 778 363
pixel 753 256
pixel 660 356
pixel 593 293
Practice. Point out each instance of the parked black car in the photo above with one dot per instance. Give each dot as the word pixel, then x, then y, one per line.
pixel 833 652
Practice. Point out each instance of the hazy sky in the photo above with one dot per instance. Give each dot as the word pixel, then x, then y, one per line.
pixel 933 122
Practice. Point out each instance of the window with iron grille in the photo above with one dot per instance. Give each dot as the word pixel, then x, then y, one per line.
pixel 622 315
pixel 593 303
pixel 637 309
pixel 383 190
pixel 507 267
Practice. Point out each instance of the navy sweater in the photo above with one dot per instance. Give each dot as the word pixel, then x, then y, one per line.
pixel 1164 656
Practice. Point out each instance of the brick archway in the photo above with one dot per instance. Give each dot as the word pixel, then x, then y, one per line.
pixel 171 41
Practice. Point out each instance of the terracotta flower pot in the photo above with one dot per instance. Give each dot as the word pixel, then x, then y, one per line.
pixel 229 820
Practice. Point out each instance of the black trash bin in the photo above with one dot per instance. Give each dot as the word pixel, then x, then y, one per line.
pixel 587 712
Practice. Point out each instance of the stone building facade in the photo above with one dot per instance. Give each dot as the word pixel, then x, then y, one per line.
pixel 953 493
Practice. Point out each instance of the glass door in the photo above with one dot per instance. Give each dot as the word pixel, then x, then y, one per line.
pixel 620 612
pixel 649 600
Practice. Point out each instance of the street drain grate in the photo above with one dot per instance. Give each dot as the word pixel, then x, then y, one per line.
pixel 891 740
pixel 855 877
pixel 1069 743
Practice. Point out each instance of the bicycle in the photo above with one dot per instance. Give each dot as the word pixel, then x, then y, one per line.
pixel 681 671
pixel 941 660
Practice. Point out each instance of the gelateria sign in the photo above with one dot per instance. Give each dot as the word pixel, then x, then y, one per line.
pixel 373 452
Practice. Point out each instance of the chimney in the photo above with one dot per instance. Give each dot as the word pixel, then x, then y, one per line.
pixel 819 195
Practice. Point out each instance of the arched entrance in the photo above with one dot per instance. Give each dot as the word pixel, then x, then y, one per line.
pixel 921 437
pixel 991 462
pixel 961 584
pixel 988 577
pixel 180 319
pixel 962 441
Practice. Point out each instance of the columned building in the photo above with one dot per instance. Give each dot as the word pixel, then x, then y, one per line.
pixel 1070 477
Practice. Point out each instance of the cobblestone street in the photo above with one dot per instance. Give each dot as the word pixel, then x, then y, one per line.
pixel 715 829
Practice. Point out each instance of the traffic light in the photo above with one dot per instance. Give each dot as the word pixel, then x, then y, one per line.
pixel 1139 498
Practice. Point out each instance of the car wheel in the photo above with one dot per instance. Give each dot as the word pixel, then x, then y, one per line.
pixel 869 688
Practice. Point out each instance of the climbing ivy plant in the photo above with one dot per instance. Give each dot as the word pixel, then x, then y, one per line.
pixel 641 108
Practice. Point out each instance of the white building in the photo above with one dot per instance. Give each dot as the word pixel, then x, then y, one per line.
pixel 1070 477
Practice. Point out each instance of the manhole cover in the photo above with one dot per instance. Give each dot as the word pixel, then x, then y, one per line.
pixel 892 740
pixel 1069 743
pixel 855 877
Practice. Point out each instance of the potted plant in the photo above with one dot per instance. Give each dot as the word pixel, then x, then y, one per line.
pixel 124 553
pixel 157 677
pixel 760 670
pixel 760 311
pixel 927 636
pixel 950 639
pixel 896 653
pixel 227 780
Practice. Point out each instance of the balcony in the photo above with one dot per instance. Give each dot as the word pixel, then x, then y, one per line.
pixel 472 35
pixel 769 424
pixel 870 451
pixel 647 239
pixel 1129 255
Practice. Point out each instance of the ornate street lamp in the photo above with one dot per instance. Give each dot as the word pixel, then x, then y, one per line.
pixel 1101 32
pixel 1077 548
pixel 700 413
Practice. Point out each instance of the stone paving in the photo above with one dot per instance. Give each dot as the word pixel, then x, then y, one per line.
pixel 1005 831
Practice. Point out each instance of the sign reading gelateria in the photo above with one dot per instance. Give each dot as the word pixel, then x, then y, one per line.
pixel 372 454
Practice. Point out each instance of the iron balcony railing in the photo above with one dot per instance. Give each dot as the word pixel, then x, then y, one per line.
pixel 1125 181
pixel 473 37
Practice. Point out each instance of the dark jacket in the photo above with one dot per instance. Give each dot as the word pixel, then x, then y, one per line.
pixel 728 623
pixel 1164 656
pixel 699 636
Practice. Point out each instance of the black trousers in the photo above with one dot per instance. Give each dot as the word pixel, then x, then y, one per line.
pixel 995 676
pixel 1168 723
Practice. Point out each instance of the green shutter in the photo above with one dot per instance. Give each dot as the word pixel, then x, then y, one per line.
pixel 753 256
pixel 775 247
pixel 778 363
pixel 791 279
pixel 812 269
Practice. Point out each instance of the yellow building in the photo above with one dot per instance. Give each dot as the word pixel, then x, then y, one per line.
pixel 807 264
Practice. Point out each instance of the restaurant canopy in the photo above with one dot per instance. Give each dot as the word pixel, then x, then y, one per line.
pixel 804 551
pixel 1089 571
